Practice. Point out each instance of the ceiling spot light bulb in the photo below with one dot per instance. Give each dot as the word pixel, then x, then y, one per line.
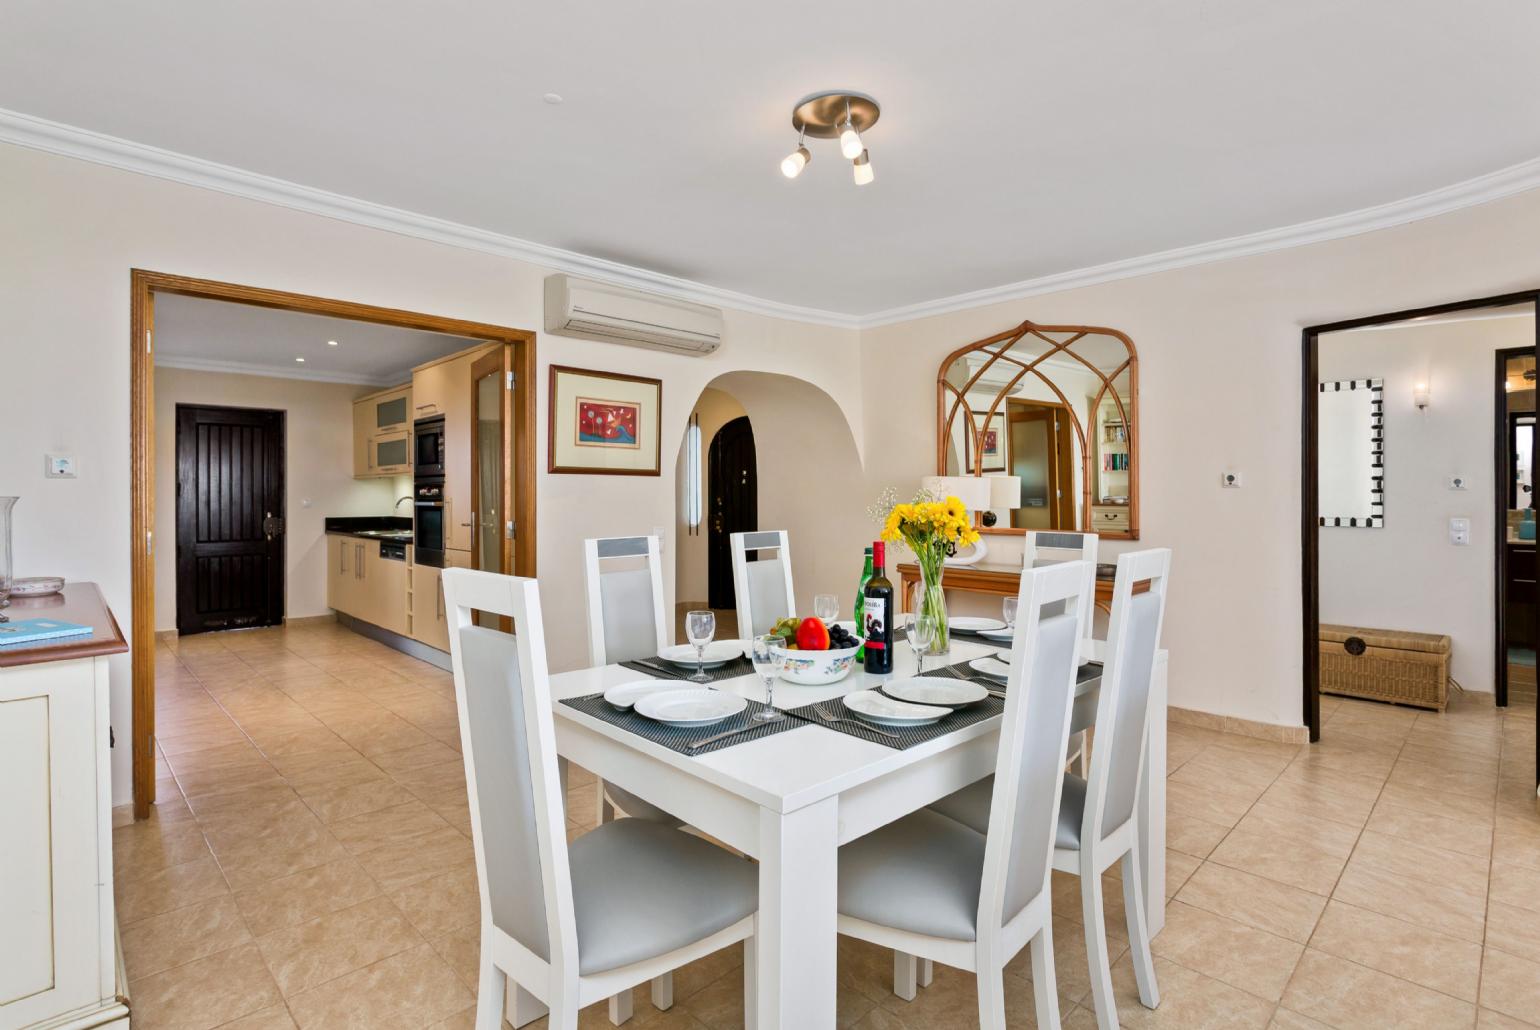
pixel 862 169
pixel 331 343
pixel 797 160
pixel 300 360
pixel 850 142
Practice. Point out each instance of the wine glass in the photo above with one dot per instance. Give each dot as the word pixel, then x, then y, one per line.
pixel 1008 610
pixel 768 653
pixel 827 608
pixel 920 629
pixel 700 627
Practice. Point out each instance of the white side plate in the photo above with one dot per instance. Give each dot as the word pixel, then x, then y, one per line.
pixel 882 710
pixel 973 623
pixel 718 652
pixel 697 707
pixel 992 667
pixel 628 694
pixel 935 690
pixel 1005 636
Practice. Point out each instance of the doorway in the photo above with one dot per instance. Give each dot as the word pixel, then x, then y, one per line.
pixel 145 287
pixel 732 483
pixel 1516 599
pixel 229 518
pixel 1042 456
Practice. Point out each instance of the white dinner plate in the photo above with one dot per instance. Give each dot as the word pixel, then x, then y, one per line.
pixel 992 667
pixel 628 694
pixel 935 690
pixel 695 707
pixel 718 652
pixel 1003 635
pixel 878 708
pixel 973 623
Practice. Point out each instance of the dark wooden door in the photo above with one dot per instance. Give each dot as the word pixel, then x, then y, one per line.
pixel 229 518
pixel 732 484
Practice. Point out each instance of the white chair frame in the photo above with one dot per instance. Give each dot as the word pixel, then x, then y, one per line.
pixel 1098 850
pixel 998 942
pixel 1044 543
pixel 741 544
pixel 541 985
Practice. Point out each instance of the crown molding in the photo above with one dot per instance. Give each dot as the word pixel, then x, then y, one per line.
pixel 246 368
pixel 1504 182
pixel 68 141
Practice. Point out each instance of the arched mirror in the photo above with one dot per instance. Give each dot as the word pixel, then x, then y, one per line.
pixel 1051 411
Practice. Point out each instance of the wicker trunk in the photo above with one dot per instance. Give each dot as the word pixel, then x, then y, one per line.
pixel 1385 665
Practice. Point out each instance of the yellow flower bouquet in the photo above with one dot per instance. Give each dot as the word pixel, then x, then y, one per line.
pixel 933 529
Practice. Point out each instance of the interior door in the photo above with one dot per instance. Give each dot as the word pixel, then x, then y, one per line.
pixel 229 518
pixel 492 528
pixel 1041 454
pixel 732 485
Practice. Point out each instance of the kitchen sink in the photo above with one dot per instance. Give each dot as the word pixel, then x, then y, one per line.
pixel 388 534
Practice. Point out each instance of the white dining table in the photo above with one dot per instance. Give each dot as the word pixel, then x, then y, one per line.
pixel 791 799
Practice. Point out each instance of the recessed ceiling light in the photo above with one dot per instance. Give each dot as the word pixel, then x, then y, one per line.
pixel 300 360
pixel 552 98
pixel 331 343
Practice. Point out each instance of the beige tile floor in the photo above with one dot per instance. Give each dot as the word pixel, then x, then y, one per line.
pixel 308 864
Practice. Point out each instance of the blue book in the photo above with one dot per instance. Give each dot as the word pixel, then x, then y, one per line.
pixel 29 631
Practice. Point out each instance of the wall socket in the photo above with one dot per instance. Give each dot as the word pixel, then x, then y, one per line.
pixel 59 466
pixel 1457 482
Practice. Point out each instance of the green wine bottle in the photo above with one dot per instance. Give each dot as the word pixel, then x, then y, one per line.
pixel 866 577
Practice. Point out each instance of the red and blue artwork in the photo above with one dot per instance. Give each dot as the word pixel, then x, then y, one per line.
pixel 607 423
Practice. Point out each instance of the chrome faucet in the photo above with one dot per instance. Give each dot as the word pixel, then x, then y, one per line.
pixel 397 507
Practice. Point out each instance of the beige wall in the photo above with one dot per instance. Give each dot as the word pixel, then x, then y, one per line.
pixel 691 563
pixel 318 476
pixel 1219 371
pixel 1407 575
pixel 73 231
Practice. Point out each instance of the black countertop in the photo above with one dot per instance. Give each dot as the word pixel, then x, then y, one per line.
pixel 355 525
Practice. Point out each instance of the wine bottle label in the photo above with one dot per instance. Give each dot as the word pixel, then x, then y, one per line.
pixel 876 616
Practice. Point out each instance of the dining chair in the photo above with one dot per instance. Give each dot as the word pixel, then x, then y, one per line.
pixel 625 622
pixel 762 587
pixel 1098 822
pixel 932 888
pixel 1049 545
pixel 568 924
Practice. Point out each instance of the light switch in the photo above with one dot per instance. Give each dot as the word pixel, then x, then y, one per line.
pixel 59 466
pixel 1457 482
pixel 1459 532
pixel 1230 480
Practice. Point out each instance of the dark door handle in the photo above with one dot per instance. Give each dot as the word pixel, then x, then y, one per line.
pixel 272 525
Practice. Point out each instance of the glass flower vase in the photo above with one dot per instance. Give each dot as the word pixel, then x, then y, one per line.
pixel 6 504
pixel 932 602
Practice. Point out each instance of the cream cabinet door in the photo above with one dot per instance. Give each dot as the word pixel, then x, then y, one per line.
pixel 363 432
pixel 428 622
pixel 431 387
pixel 342 573
pixel 385 579
pixel 458 503
pixel 56 887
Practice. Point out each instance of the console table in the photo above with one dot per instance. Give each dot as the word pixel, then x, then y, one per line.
pixel 1003 580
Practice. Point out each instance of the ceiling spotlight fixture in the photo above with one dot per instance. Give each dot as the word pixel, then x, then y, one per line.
pixel 300 360
pixel 834 114
pixel 331 343
pixel 863 169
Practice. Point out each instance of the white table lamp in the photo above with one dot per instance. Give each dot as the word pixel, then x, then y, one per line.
pixel 976 494
pixel 1004 496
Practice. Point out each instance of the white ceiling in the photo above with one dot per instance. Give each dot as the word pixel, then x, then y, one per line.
pixel 219 336
pixel 1017 140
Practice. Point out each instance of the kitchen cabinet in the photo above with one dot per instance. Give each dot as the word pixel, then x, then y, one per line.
pixel 382 433
pixel 444 388
pixel 59 962
pixel 430 623
pixel 365 584
pixel 342 554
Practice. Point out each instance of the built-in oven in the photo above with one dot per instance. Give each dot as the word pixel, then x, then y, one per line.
pixel 428 447
pixel 428 527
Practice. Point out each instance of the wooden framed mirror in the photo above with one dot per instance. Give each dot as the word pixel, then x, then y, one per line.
pixel 1055 408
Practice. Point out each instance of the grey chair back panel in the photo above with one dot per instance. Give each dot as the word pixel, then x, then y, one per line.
pixel 767 595
pixel 1050 692
pixel 1132 710
pixel 630 624
pixel 505 786
pixel 621 547
pixel 753 541
pixel 1065 541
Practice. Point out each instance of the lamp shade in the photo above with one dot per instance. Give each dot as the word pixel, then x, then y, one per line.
pixel 972 491
pixel 1004 492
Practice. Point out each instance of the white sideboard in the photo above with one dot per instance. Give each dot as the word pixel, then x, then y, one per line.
pixel 59 963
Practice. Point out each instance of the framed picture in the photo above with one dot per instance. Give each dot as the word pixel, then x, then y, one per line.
pixel 994 443
pixel 604 423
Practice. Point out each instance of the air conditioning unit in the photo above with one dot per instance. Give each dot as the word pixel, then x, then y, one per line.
pixel 599 311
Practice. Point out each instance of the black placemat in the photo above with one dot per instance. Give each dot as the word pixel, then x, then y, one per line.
pixel 908 736
pixel 677 738
pixel 1088 671
pixel 666 671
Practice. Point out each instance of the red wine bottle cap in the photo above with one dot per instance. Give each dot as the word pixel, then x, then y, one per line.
pixel 877 553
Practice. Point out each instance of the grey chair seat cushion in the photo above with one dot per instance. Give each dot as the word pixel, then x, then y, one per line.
pixel 921 874
pixel 641 889
pixel 970 806
pixel 636 808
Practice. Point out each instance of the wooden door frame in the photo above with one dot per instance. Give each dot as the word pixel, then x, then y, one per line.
pixel 1502 439
pixel 1310 507
pixel 1061 441
pixel 277 577
pixel 144 284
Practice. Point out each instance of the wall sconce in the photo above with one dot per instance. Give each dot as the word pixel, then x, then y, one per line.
pixel 1421 396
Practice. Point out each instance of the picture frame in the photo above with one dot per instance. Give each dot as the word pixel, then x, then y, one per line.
pixel 603 423
pixel 995 441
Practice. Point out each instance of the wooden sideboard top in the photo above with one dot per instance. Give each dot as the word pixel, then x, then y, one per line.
pixel 78 602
